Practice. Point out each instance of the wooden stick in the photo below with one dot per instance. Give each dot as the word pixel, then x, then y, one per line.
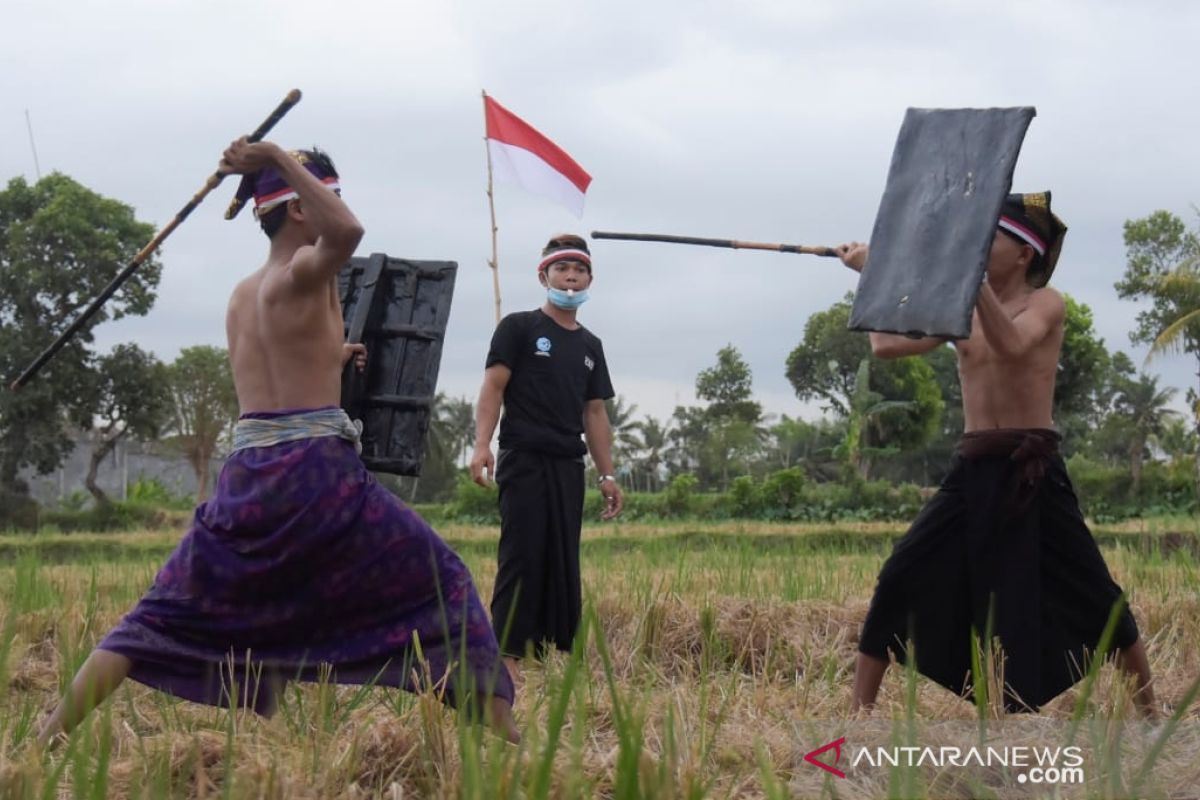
pixel 213 181
pixel 495 262
pixel 735 244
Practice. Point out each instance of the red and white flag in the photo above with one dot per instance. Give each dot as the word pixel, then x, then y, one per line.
pixel 522 155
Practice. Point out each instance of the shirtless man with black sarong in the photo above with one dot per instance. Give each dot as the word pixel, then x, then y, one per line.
pixel 1002 547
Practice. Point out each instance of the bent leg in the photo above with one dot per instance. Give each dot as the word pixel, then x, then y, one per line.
pixel 1132 660
pixel 922 601
pixel 498 715
pixel 868 675
pixel 99 676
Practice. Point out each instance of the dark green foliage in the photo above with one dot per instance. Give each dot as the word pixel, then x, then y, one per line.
pixel 60 245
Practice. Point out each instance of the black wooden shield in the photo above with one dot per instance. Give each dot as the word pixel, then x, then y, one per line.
pixel 950 172
pixel 398 309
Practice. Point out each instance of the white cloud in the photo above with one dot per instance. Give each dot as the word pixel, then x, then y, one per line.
pixel 765 120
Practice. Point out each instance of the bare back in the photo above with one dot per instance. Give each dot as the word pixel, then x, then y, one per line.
pixel 285 341
pixel 1010 391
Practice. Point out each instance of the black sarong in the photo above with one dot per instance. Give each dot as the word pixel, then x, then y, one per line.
pixel 537 597
pixel 1004 534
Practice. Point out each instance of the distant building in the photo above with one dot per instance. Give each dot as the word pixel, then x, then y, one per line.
pixel 129 462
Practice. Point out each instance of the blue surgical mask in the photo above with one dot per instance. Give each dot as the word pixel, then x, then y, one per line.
pixel 565 299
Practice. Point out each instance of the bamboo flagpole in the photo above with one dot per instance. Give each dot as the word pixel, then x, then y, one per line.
pixel 736 244
pixel 494 263
pixel 213 181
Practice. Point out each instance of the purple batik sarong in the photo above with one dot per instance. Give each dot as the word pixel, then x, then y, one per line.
pixel 302 564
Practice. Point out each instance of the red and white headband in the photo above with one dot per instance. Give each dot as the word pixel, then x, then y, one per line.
pixel 1023 233
pixel 567 254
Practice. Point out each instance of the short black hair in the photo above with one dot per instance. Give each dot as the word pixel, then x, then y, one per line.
pixel 565 240
pixel 273 220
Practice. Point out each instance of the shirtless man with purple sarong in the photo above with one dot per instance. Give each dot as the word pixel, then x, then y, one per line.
pixel 1002 547
pixel 300 562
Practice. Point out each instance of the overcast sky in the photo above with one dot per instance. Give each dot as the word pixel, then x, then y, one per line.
pixel 759 120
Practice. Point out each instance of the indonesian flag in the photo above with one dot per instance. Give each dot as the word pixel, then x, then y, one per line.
pixel 522 155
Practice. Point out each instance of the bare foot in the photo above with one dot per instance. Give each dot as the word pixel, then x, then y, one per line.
pixel 868 675
pixel 499 717
pixel 97 678
pixel 1132 661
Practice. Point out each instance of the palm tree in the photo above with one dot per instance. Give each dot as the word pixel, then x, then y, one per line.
pixel 457 415
pixel 1182 283
pixel 687 432
pixel 451 426
pixel 624 430
pixel 1178 440
pixel 654 436
pixel 438 438
pixel 1144 406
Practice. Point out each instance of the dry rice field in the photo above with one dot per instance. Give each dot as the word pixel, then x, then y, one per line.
pixel 714 658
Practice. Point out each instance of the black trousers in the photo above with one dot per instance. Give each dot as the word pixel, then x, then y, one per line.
pixel 975 557
pixel 537 599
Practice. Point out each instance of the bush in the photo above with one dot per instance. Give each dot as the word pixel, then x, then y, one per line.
pixel 113 517
pixel 782 494
pixel 432 513
pixel 638 506
pixel 745 500
pixel 888 501
pixel 152 492
pixel 474 503
pixel 791 495
pixel 679 495
pixel 75 501
pixel 1106 492
pixel 825 502
pixel 18 510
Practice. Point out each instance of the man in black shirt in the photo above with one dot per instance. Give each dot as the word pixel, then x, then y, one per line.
pixel 550 374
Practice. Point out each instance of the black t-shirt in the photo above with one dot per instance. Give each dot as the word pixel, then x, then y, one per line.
pixel 554 373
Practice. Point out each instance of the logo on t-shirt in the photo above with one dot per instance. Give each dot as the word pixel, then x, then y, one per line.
pixel 543 347
pixel 587 362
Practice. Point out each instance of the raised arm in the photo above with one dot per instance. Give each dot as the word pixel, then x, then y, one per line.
pixel 894 345
pixel 1013 337
pixel 338 230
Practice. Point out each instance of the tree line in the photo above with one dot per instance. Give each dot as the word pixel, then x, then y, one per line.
pixel 898 421
pixel 60 245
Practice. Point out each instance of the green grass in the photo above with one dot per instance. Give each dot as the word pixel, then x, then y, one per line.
pixel 706 651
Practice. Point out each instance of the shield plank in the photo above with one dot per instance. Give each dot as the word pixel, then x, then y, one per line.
pixel 950 172
pixel 399 309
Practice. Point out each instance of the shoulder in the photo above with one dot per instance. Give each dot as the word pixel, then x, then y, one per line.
pixel 296 275
pixel 519 319
pixel 515 324
pixel 515 333
pixel 246 289
pixel 1048 303
pixel 590 338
